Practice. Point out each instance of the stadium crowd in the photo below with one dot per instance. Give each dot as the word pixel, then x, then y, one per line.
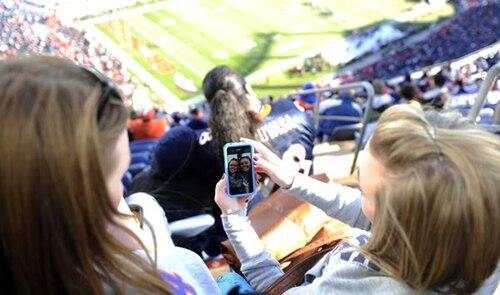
pixel 471 30
pixel 24 29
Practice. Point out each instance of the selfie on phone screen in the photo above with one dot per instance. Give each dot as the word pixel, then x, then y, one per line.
pixel 239 170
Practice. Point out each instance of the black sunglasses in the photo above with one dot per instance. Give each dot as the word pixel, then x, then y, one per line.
pixel 108 89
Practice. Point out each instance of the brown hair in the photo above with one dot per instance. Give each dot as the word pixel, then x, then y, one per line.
pixel 438 212
pixel 231 117
pixel 55 205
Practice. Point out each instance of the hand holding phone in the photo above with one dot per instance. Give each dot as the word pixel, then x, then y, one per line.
pixel 239 169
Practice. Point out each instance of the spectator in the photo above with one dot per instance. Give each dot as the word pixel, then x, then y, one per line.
pixel 147 126
pixel 197 119
pixel 180 182
pixel 382 100
pixel 63 157
pixel 437 94
pixel 235 112
pixel 418 178
pixel 308 101
pixel 409 93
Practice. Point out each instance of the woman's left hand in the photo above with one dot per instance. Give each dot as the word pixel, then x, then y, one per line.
pixel 227 204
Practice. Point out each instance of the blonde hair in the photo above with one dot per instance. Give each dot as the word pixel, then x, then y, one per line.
pixel 438 212
pixel 55 205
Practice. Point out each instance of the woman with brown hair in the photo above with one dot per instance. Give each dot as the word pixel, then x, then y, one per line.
pixel 235 112
pixel 430 195
pixel 64 150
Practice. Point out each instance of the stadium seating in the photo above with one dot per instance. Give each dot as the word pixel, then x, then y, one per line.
pixel 141 156
pixel 471 30
pixel 346 132
pixel 26 28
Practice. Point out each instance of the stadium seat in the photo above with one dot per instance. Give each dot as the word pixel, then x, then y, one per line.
pixel 144 142
pixel 142 157
pixel 142 148
pixel 143 145
pixel 345 132
pixel 135 169
pixel 191 226
pixel 126 180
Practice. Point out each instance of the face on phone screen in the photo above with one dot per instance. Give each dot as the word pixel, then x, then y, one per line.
pixel 240 170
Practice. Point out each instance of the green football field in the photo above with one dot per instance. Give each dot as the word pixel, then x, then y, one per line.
pixel 179 42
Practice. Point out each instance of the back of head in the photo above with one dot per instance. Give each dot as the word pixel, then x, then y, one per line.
pixel 438 211
pixel 408 91
pixel 440 79
pixel 56 154
pixel 223 78
pixel 230 114
pixel 174 152
pixel 378 86
pixel 308 99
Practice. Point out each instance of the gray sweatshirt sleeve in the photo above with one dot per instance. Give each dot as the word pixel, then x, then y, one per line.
pixel 337 201
pixel 258 266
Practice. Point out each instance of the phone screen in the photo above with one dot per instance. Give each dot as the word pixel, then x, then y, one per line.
pixel 239 169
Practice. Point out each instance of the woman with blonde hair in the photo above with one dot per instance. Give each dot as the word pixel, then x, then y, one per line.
pixel 64 150
pixel 430 195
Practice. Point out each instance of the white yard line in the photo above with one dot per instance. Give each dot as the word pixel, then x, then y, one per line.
pixel 128 12
pixel 173 102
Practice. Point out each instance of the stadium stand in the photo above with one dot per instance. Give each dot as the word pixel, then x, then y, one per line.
pixel 469 31
pixel 25 28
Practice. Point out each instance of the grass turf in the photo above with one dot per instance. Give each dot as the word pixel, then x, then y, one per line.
pixel 190 37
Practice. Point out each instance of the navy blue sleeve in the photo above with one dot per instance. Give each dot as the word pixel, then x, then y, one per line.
pixel 287 125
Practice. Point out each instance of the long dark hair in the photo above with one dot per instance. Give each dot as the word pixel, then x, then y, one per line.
pixel 230 115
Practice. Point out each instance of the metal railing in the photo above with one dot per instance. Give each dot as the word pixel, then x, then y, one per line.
pixel 366 115
pixel 486 86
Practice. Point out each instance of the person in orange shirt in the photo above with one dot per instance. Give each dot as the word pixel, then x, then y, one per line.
pixel 147 126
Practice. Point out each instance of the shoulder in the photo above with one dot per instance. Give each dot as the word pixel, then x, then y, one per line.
pixel 185 268
pixel 350 272
pixel 329 103
pixel 283 105
pixel 348 252
pixel 285 110
pixel 204 136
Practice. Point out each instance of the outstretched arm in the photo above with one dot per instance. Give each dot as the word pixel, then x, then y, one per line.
pixel 258 266
pixel 340 202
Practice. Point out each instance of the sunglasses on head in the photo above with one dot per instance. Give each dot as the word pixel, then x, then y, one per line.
pixel 108 89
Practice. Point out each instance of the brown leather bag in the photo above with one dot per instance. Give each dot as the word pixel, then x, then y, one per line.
pixel 300 261
pixel 296 233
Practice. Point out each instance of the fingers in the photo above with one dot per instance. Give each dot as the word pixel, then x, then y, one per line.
pixel 220 187
pixel 244 200
pixel 262 165
pixel 258 177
